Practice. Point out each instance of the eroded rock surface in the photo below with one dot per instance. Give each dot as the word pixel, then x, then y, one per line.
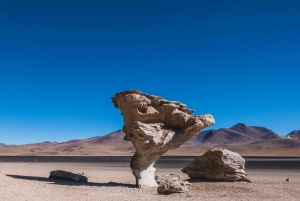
pixel 171 183
pixel 217 164
pixel 154 126
pixel 60 174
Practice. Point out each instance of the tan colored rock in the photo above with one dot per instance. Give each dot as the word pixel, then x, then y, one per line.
pixel 154 126
pixel 217 164
pixel 171 183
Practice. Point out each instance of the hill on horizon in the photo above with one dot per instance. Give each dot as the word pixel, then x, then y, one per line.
pixel 239 133
pixel 246 140
pixel 294 135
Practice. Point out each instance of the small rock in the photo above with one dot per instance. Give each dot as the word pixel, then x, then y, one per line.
pixel 287 179
pixel 60 174
pixel 171 183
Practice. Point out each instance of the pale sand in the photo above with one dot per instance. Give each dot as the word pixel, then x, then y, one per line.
pixel 29 181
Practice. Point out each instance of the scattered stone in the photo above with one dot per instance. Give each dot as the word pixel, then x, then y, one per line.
pixel 60 174
pixel 217 164
pixel 90 193
pixel 154 126
pixel 171 183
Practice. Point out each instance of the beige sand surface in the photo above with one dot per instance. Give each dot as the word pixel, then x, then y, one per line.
pixel 29 181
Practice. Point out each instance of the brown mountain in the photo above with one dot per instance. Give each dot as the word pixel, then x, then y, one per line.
pixel 238 134
pixel 246 140
pixel 110 144
pixel 294 135
pixel 258 132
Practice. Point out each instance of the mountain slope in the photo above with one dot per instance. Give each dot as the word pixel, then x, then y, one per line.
pixel 239 133
pixel 110 144
pixel 246 140
pixel 257 132
pixel 294 135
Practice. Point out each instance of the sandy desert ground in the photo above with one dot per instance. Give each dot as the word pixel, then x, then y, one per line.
pixel 29 181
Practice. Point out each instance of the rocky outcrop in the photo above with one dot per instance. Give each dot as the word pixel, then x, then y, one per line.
pixel 217 164
pixel 171 183
pixel 60 174
pixel 154 126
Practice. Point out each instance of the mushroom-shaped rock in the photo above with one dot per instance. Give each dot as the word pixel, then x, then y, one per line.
pixel 171 183
pixel 217 164
pixel 154 126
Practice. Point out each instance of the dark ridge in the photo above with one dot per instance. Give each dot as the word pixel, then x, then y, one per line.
pixel 257 132
pixel 239 133
pixel 294 135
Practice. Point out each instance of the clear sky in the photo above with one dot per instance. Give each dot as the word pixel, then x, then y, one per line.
pixel 61 61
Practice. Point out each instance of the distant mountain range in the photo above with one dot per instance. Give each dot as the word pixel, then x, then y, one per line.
pixel 238 134
pixel 246 140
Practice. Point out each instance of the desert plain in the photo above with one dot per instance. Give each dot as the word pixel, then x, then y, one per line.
pixel 110 178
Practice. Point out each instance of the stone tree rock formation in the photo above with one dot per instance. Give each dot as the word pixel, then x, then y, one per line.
pixel 154 126
pixel 217 164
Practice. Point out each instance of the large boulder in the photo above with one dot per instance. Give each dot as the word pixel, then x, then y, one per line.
pixel 154 126
pixel 60 174
pixel 217 164
pixel 171 183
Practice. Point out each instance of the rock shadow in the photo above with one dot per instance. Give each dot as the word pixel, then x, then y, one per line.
pixel 71 183
pixel 207 181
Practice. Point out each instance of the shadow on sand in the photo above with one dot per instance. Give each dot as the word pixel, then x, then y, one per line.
pixel 207 181
pixel 71 183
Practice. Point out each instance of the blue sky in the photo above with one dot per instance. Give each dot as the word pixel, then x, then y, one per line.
pixel 61 61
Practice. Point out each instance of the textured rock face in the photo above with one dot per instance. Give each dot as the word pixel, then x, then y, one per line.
pixel 60 174
pixel 217 164
pixel 171 183
pixel 154 126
